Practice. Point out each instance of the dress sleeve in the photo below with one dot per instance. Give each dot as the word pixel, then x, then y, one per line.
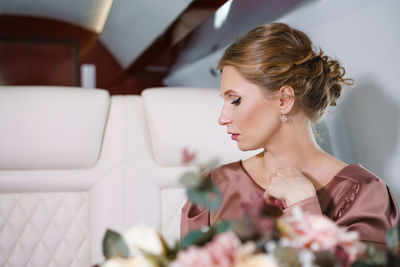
pixel 193 218
pixel 309 205
pixel 369 208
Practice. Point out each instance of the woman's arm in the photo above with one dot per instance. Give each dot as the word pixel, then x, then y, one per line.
pixel 309 205
pixel 369 208
pixel 193 218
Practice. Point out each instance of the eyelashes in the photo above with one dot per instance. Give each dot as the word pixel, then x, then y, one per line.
pixel 237 101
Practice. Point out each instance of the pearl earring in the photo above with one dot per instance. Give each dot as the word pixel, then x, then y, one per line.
pixel 283 118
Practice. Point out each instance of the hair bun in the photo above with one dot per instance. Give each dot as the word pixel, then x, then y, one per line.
pixel 274 55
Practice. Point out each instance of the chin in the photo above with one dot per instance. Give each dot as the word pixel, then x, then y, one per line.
pixel 246 147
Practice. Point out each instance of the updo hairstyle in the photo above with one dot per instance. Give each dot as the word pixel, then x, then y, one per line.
pixel 274 55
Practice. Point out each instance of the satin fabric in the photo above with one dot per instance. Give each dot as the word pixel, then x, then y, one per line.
pixel 354 198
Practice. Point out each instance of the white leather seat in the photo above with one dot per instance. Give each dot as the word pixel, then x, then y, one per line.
pixel 74 162
pixel 54 152
pixel 179 118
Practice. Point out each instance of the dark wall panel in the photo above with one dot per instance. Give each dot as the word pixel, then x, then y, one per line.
pixel 110 74
pixel 27 62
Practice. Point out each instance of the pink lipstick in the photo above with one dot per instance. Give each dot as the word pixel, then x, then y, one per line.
pixel 234 136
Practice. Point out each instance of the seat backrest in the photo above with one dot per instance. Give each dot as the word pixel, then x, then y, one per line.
pixel 51 127
pixel 51 140
pixel 179 118
pixel 75 162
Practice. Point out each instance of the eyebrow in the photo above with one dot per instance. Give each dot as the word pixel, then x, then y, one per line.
pixel 228 91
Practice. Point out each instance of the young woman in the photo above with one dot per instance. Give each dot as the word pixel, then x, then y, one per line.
pixel 274 86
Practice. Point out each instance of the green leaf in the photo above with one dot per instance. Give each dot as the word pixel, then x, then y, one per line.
pixel 392 239
pixel 198 238
pixel 157 261
pixel 114 245
pixel 191 180
pixel 245 228
pixel 373 257
pixel 173 251
pixel 205 235
pixel 210 199
pixel 210 165
pixel 222 227
pixel 359 263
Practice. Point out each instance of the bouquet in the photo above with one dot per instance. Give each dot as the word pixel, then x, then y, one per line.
pixel 261 238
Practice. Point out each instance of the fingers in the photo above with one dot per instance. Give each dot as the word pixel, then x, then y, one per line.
pixel 274 200
pixel 273 190
pixel 286 172
pixel 281 183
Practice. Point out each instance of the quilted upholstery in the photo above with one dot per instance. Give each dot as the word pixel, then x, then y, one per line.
pixel 58 216
pixel 44 229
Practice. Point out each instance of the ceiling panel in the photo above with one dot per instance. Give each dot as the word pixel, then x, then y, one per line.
pixel 90 14
pixel 132 25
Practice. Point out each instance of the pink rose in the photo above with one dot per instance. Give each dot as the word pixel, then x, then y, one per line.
pixel 219 252
pixel 222 249
pixel 193 257
pixel 318 233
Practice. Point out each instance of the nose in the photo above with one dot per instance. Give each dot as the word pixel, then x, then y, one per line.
pixel 224 117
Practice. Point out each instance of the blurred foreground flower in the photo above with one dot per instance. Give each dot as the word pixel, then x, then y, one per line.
pixel 319 233
pixel 219 252
pixel 199 186
pixel 262 238
pixel 144 239
pixel 258 260
pixel 138 261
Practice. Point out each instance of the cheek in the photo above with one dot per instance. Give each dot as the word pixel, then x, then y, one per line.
pixel 252 117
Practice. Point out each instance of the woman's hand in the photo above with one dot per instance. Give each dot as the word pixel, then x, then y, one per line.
pixel 289 185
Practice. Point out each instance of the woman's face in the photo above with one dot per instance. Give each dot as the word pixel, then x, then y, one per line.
pixel 251 117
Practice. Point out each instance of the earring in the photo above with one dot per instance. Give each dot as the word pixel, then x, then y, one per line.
pixel 283 118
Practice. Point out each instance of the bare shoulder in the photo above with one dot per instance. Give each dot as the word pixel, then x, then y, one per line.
pixel 329 165
pixel 322 169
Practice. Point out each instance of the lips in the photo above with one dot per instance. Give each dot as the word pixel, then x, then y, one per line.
pixel 234 136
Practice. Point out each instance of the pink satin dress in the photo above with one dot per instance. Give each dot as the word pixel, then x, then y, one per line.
pixel 354 198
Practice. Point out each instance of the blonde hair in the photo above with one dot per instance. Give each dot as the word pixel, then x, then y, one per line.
pixel 274 55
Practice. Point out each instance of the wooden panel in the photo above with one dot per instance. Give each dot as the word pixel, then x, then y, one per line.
pixel 18 26
pixel 38 62
pixel 110 74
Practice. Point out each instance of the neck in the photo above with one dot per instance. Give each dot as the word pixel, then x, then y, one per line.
pixel 293 147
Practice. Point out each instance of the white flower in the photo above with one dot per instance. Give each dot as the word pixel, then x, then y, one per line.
pixel 144 238
pixel 259 260
pixel 306 258
pixel 270 247
pixel 138 261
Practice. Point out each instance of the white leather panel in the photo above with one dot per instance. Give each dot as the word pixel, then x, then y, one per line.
pixel 44 229
pixel 127 185
pixel 180 118
pixel 51 127
pixel 61 180
pixel 172 201
pixel 146 179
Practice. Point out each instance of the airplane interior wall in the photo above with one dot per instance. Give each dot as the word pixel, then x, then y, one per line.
pixel 363 35
pixel 32 37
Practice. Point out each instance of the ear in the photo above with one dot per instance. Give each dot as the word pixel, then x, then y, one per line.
pixel 286 98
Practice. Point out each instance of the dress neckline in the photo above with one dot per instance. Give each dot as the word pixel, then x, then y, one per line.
pixel 240 162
